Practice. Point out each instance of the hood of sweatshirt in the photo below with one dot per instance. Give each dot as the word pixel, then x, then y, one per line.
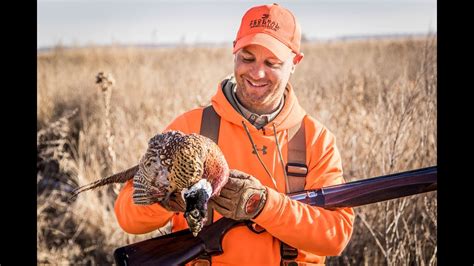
pixel 290 115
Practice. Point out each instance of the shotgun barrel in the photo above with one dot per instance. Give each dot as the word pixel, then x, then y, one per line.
pixel 371 190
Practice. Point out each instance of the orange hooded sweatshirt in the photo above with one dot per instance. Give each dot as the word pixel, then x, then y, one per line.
pixel 314 231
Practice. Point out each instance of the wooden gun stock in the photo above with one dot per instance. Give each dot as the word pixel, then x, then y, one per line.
pixel 176 248
pixel 181 247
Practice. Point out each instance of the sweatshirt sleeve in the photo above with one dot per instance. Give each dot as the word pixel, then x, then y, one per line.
pixel 141 219
pixel 326 232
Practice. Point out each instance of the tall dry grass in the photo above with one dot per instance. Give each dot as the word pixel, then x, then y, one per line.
pixel 377 96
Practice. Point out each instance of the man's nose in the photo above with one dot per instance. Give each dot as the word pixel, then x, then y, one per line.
pixel 257 72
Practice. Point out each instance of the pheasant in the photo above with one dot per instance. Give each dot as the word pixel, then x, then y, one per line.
pixel 190 164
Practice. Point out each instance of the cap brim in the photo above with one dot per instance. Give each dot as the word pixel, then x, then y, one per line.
pixel 280 50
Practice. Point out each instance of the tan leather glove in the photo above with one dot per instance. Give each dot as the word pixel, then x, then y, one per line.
pixel 174 203
pixel 242 197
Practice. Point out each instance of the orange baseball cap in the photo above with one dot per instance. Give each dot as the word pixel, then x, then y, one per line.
pixel 273 27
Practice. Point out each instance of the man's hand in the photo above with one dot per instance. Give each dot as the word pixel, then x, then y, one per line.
pixel 242 197
pixel 174 203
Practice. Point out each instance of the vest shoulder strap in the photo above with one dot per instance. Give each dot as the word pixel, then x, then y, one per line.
pixel 296 171
pixel 210 123
pixel 296 168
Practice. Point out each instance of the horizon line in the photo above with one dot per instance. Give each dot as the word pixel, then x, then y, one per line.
pixel 222 44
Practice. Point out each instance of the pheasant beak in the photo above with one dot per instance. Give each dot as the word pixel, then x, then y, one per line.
pixel 195 221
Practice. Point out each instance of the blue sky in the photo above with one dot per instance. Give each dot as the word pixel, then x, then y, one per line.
pixel 101 22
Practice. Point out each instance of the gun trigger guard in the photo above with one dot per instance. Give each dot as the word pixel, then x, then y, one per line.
pixel 257 229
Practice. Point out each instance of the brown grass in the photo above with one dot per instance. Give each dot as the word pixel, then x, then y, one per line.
pixel 377 96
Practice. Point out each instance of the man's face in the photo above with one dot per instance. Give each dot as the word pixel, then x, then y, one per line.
pixel 261 78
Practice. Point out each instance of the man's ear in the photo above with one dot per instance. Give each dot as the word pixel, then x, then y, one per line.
pixel 298 58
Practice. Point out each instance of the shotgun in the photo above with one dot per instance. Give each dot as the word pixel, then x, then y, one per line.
pixel 181 247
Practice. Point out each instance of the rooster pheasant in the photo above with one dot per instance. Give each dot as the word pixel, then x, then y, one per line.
pixel 192 165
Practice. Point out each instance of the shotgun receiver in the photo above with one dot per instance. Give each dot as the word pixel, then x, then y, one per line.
pixel 181 247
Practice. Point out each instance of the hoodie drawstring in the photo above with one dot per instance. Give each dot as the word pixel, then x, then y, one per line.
pixel 254 147
pixel 281 157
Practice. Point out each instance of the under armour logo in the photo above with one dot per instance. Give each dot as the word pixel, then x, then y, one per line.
pixel 263 149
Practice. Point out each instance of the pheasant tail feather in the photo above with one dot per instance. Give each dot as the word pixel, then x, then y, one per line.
pixel 121 177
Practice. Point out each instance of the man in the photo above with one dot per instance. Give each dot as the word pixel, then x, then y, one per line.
pixel 258 111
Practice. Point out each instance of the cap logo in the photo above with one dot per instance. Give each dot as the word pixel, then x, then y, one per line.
pixel 264 22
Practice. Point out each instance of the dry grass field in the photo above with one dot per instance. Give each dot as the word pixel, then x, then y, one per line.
pixel 377 96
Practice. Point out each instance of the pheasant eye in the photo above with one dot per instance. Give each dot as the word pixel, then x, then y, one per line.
pixel 195 213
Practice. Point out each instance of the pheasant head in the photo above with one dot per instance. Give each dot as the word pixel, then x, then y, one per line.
pixel 196 199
